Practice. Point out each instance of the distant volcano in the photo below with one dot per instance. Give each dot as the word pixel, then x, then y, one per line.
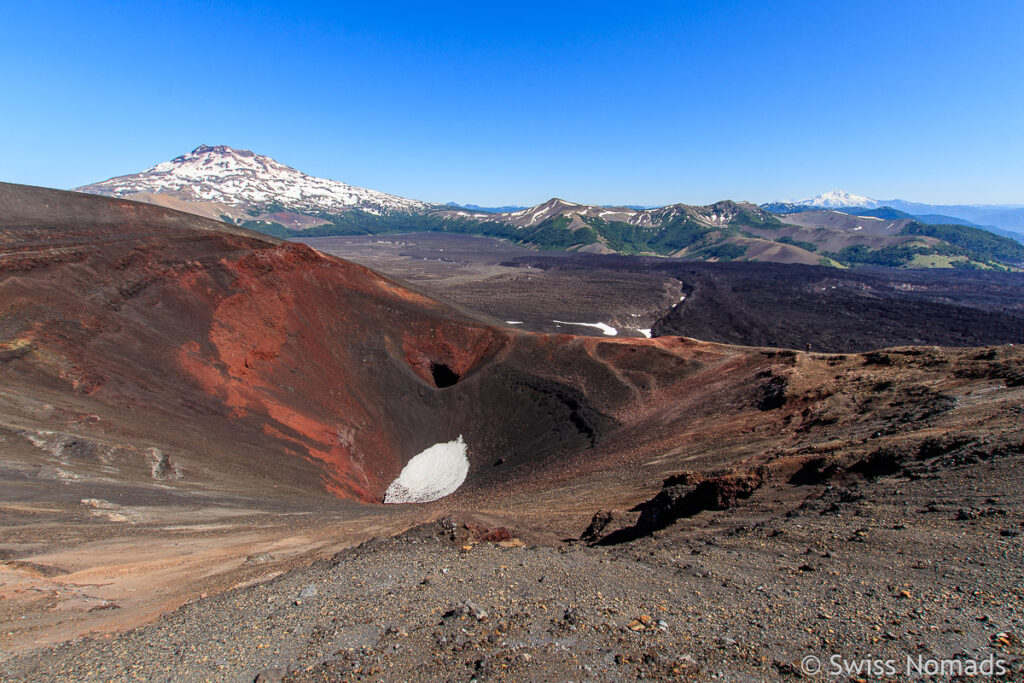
pixel 253 182
pixel 840 199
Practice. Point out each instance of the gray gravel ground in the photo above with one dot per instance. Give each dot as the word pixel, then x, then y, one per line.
pixel 925 564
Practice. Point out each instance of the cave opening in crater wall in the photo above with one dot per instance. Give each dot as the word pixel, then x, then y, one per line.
pixel 443 375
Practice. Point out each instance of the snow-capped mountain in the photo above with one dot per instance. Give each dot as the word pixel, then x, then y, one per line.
pixel 239 178
pixel 839 199
pixel 834 199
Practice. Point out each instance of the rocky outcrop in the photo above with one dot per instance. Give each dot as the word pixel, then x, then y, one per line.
pixel 683 495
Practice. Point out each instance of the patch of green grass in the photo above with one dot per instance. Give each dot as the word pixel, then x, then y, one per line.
pixel 269 228
pixel 724 251
pixel 797 243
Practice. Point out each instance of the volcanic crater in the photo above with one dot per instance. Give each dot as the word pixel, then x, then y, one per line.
pixel 178 391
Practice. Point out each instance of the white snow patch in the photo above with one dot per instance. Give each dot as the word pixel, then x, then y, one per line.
pixel 646 332
pixel 513 322
pixel 434 473
pixel 607 329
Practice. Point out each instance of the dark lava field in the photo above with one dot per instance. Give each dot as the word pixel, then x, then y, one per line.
pixel 750 304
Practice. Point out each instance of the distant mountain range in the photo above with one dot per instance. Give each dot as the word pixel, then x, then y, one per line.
pixel 485 209
pixel 836 228
pixel 1005 219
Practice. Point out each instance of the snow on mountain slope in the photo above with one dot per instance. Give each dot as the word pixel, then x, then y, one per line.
pixel 256 183
pixel 839 199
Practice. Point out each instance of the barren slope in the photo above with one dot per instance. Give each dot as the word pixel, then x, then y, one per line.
pixel 186 406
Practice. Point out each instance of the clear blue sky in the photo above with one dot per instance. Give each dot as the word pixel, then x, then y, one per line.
pixel 515 102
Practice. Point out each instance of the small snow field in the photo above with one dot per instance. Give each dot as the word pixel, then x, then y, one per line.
pixel 435 473
pixel 607 329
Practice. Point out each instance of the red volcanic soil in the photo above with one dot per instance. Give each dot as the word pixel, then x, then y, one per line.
pixel 305 367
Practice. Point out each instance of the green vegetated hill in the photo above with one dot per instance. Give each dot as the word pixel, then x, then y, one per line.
pixel 725 231
pixel 952 246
